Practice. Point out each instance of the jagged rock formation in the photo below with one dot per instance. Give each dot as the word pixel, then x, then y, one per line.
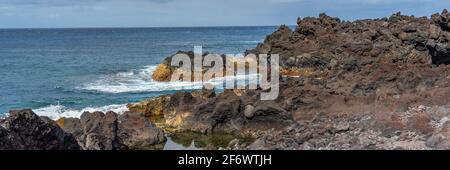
pixel 323 45
pixel 24 130
pixel 326 42
pixel 206 112
pixel 100 131
pixel 366 84
pixel 391 71
pixel 380 70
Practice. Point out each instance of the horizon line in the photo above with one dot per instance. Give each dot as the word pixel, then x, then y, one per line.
pixel 138 27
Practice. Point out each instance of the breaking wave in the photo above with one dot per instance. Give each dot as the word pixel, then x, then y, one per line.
pixel 141 81
pixel 57 111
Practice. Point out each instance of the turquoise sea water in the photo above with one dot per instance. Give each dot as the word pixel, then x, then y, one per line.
pixel 63 72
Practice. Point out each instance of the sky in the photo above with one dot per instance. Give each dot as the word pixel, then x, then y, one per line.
pixel 179 13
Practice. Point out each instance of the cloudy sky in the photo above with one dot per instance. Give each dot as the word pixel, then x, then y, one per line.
pixel 167 13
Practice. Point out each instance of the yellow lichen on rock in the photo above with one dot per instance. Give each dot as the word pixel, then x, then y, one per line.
pixel 177 120
pixel 153 107
pixel 60 122
pixel 162 73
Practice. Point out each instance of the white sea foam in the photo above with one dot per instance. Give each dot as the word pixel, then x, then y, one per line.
pixel 4 115
pixel 57 111
pixel 141 81
pixel 132 81
pixel 252 42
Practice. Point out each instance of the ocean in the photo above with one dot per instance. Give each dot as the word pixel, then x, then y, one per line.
pixel 64 72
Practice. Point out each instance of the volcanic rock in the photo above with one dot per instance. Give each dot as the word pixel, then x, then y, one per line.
pixel 24 130
pixel 100 131
pixel 137 132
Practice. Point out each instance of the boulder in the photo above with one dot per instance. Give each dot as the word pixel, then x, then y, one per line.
pixel 71 125
pixel 443 20
pixel 24 130
pixel 434 32
pixel 440 52
pixel 137 132
pixel 249 111
pixel 162 73
pixel 99 131
pixel 110 131
pixel 207 116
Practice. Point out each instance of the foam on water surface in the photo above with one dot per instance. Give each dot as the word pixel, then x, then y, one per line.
pixel 141 81
pixel 57 111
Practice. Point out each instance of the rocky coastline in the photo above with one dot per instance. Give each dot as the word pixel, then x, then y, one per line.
pixel 365 84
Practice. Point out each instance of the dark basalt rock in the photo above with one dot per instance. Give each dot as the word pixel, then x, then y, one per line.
pixel 71 125
pixel 371 76
pixel 376 66
pixel 24 130
pixel 221 113
pixel 442 20
pixel 440 52
pixel 137 132
pixel 109 131
pixel 5 143
pixel 99 131
pixel 379 38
